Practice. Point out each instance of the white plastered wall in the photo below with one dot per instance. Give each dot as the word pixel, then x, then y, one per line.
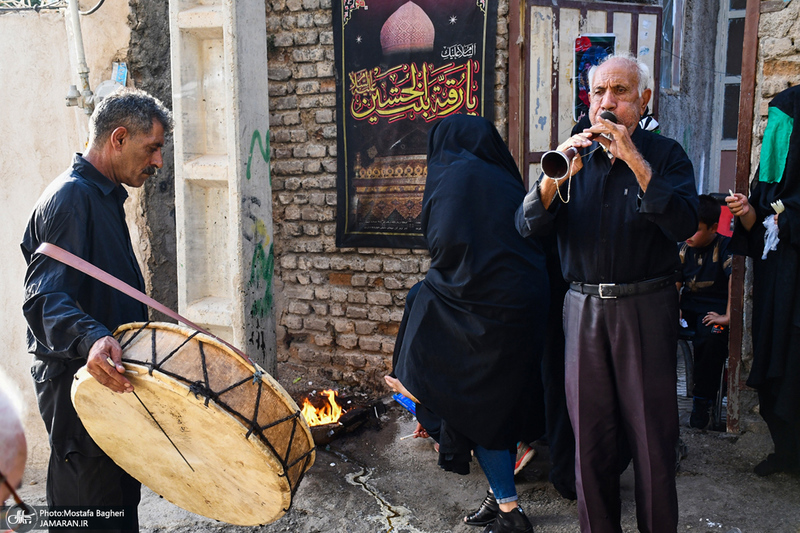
pixel 38 135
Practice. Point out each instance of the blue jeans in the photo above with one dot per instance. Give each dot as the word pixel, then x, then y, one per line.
pixel 498 467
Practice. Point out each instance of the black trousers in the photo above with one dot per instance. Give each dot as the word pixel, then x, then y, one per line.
pixel 79 474
pixel 710 353
pixel 621 376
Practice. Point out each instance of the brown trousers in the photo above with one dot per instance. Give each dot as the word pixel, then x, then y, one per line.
pixel 621 377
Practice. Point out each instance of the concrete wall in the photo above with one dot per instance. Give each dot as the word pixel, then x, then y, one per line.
pixel 686 115
pixel 39 137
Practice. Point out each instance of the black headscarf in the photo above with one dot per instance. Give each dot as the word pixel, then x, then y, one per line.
pixel 471 342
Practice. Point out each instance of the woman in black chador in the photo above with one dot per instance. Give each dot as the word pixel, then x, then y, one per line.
pixel 469 347
pixel 775 201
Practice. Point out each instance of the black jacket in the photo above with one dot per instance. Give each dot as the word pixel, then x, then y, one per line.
pixel 67 311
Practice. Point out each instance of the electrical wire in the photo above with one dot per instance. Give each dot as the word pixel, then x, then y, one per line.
pixel 95 8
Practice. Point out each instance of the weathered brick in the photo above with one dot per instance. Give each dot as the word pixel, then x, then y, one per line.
pixel 312 167
pixel 284 39
pixel 307 55
pixel 319 308
pixel 372 344
pixel 324 116
pixel 288 167
pixel 279 136
pixel 312 230
pixel 325 69
pixel 343 326
pixel 306 20
pixel 315 324
pixel 392 283
pixel 373 265
pixel 347 341
pixel 356 312
pixel 356 297
pixel 379 298
pixel 351 360
pixel 299 308
pixel 287 102
pixel 292 213
pixel 387 345
pixel 316 150
pixel 391 265
pixel 322 293
pixel 365 328
pixel 325 339
pixel 340 278
pixel 378 314
pixel 279 72
pixel 289 261
pixel 305 71
pixel 293 322
pixel 409 266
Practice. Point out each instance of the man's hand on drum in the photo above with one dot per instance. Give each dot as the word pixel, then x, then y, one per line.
pixel 104 363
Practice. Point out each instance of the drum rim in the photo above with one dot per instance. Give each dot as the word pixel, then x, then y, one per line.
pixel 252 366
pixel 182 390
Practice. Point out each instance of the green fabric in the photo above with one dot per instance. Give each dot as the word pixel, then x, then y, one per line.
pixel 775 146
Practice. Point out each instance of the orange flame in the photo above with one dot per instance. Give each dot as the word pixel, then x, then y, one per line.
pixel 327 414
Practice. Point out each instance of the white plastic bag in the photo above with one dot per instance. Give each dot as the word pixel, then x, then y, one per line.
pixel 771 237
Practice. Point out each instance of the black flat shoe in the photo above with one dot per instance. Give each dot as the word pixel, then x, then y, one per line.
pixel 485 514
pixel 513 521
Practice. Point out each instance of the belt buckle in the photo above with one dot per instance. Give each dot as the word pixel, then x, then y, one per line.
pixel 604 291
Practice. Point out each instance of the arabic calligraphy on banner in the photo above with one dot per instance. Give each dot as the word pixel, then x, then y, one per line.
pixel 409 91
pixel 401 66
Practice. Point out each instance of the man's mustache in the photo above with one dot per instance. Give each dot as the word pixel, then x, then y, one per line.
pixel 150 170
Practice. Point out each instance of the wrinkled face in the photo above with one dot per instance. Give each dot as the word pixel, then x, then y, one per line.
pixel 703 237
pixel 138 155
pixel 615 88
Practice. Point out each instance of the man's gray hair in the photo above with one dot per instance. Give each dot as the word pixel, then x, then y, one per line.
pixel 641 68
pixel 131 108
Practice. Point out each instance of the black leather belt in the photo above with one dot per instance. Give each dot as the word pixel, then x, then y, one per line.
pixel 617 290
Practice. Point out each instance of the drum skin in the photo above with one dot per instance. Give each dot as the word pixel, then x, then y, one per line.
pixel 242 445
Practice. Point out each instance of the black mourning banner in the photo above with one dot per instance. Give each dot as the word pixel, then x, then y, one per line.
pixel 400 67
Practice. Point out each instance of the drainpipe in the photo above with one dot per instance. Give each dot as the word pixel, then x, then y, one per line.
pixel 84 98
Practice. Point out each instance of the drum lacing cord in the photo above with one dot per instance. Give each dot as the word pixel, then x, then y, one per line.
pixel 203 388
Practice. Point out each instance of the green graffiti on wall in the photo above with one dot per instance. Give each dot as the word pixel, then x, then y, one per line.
pixel 261 273
pixel 263 148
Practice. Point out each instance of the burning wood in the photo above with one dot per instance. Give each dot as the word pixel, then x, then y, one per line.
pixel 329 413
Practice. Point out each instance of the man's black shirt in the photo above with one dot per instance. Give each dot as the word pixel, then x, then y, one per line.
pixel 67 311
pixel 610 231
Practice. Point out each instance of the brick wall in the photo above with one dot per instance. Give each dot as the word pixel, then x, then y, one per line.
pixel 778 60
pixel 337 309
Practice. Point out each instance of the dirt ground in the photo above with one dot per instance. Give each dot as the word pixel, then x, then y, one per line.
pixel 371 481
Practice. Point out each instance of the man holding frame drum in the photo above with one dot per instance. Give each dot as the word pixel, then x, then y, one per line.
pixel 70 315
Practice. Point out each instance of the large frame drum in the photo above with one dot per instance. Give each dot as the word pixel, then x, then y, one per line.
pixel 206 429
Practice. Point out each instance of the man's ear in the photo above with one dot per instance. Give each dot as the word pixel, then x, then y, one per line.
pixel 714 227
pixel 118 137
pixel 645 100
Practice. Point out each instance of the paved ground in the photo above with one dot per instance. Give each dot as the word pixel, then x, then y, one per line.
pixel 370 481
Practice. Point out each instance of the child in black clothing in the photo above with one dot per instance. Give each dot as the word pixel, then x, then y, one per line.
pixel 705 305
